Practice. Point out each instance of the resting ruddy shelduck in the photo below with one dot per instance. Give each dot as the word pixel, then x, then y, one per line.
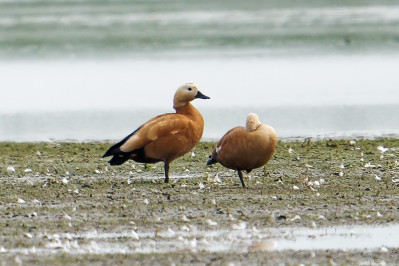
pixel 164 137
pixel 245 148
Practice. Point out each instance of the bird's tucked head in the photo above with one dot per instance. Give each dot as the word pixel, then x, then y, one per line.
pixel 185 94
pixel 252 122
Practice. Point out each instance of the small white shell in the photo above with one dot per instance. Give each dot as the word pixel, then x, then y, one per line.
pixel 241 226
pixel 184 218
pixel 297 217
pixel 369 165
pixel 135 235
pixel 20 200
pixel 28 235
pixel 67 217
pixel 168 233
pixel 211 223
pixel 382 149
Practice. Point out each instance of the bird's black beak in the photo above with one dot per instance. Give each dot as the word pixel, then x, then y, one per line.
pixel 201 96
pixel 212 160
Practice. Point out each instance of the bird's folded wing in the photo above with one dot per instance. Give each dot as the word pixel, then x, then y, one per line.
pixel 156 128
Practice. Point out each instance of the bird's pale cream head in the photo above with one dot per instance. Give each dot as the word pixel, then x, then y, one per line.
pixel 186 93
pixel 252 122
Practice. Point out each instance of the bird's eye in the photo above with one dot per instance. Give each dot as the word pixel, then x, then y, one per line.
pixel 190 89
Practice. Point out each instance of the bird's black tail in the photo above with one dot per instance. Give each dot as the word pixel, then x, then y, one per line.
pixel 118 159
pixel 114 150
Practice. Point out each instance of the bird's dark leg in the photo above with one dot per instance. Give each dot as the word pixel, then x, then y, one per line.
pixel 240 176
pixel 166 167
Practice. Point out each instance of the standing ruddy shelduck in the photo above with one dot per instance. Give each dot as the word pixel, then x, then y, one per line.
pixel 164 137
pixel 245 148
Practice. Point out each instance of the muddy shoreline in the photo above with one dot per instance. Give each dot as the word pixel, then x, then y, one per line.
pixel 62 204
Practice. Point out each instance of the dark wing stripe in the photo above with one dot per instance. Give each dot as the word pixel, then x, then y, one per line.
pixel 122 157
pixel 115 148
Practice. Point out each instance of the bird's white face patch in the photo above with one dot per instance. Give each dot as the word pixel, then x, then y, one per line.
pixel 218 149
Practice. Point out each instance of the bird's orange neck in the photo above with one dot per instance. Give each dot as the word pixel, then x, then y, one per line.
pixel 187 109
pixel 190 111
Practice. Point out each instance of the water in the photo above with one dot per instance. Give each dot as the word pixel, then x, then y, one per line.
pixel 236 240
pixel 96 70
pixel 291 123
pixel 44 28
pixel 98 100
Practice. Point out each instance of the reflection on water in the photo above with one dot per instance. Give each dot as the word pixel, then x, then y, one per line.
pixel 238 239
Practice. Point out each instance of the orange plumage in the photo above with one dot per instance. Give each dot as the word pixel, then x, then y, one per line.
pixel 164 137
pixel 245 148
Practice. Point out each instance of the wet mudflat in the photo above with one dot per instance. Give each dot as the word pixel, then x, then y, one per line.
pixel 327 201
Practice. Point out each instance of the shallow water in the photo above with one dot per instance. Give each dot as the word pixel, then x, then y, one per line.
pixel 95 70
pixel 331 96
pixel 43 29
pixel 238 239
pixel 290 123
pixel 62 28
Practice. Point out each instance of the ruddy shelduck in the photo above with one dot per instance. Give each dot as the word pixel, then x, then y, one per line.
pixel 245 148
pixel 164 137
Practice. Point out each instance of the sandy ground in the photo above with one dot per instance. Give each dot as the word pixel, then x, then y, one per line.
pixel 62 204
